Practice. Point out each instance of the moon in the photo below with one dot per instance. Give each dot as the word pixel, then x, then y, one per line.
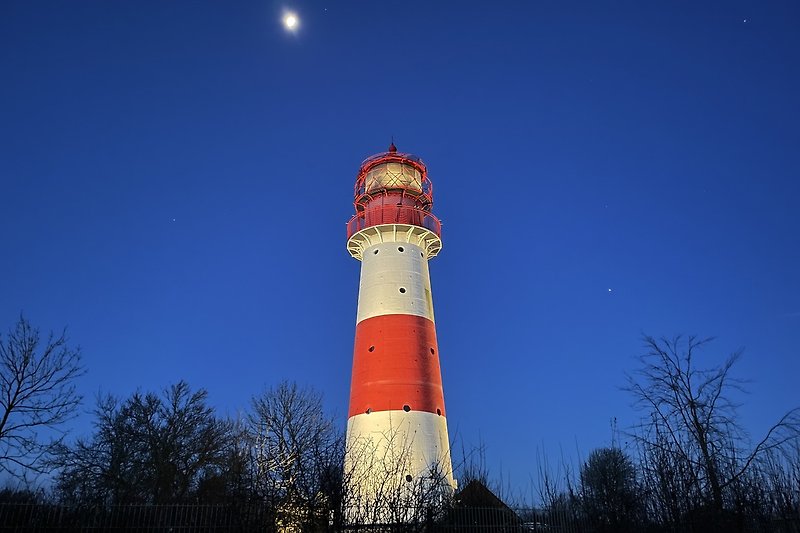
pixel 291 21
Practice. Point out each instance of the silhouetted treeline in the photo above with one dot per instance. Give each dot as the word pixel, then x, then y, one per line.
pixel 173 449
pixel 689 467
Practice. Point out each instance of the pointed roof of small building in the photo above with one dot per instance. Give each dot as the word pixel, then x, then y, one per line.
pixel 476 494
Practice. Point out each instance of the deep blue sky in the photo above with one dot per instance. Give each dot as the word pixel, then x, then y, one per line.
pixel 176 177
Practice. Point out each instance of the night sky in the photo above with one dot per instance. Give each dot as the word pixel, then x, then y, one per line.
pixel 176 178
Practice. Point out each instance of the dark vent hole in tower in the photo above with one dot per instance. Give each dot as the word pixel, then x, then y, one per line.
pixel 400 249
pixel 375 252
pixel 402 290
pixel 433 352
pixel 371 348
pixel 409 478
pixel 406 408
pixel 439 412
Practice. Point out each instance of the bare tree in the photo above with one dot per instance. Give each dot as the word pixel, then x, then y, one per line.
pixel 147 449
pixel 295 454
pixel 471 466
pixel 692 426
pixel 37 395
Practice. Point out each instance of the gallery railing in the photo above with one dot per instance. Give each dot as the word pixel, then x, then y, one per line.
pixel 394 214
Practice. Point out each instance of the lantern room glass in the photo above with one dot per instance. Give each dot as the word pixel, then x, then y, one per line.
pixel 388 176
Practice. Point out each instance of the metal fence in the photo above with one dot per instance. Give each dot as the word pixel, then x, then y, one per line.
pixel 258 517
pixel 178 518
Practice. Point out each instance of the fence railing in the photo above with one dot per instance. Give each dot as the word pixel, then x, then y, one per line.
pixel 179 517
pixel 260 517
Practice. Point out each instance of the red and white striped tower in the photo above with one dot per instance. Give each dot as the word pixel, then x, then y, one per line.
pixel 397 430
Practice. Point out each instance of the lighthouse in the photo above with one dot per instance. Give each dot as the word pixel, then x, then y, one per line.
pixel 397 442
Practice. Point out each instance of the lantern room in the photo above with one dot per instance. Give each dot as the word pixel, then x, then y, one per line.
pixel 392 174
pixel 393 194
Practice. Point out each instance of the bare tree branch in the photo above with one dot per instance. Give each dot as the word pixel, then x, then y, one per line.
pixel 694 425
pixel 37 395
